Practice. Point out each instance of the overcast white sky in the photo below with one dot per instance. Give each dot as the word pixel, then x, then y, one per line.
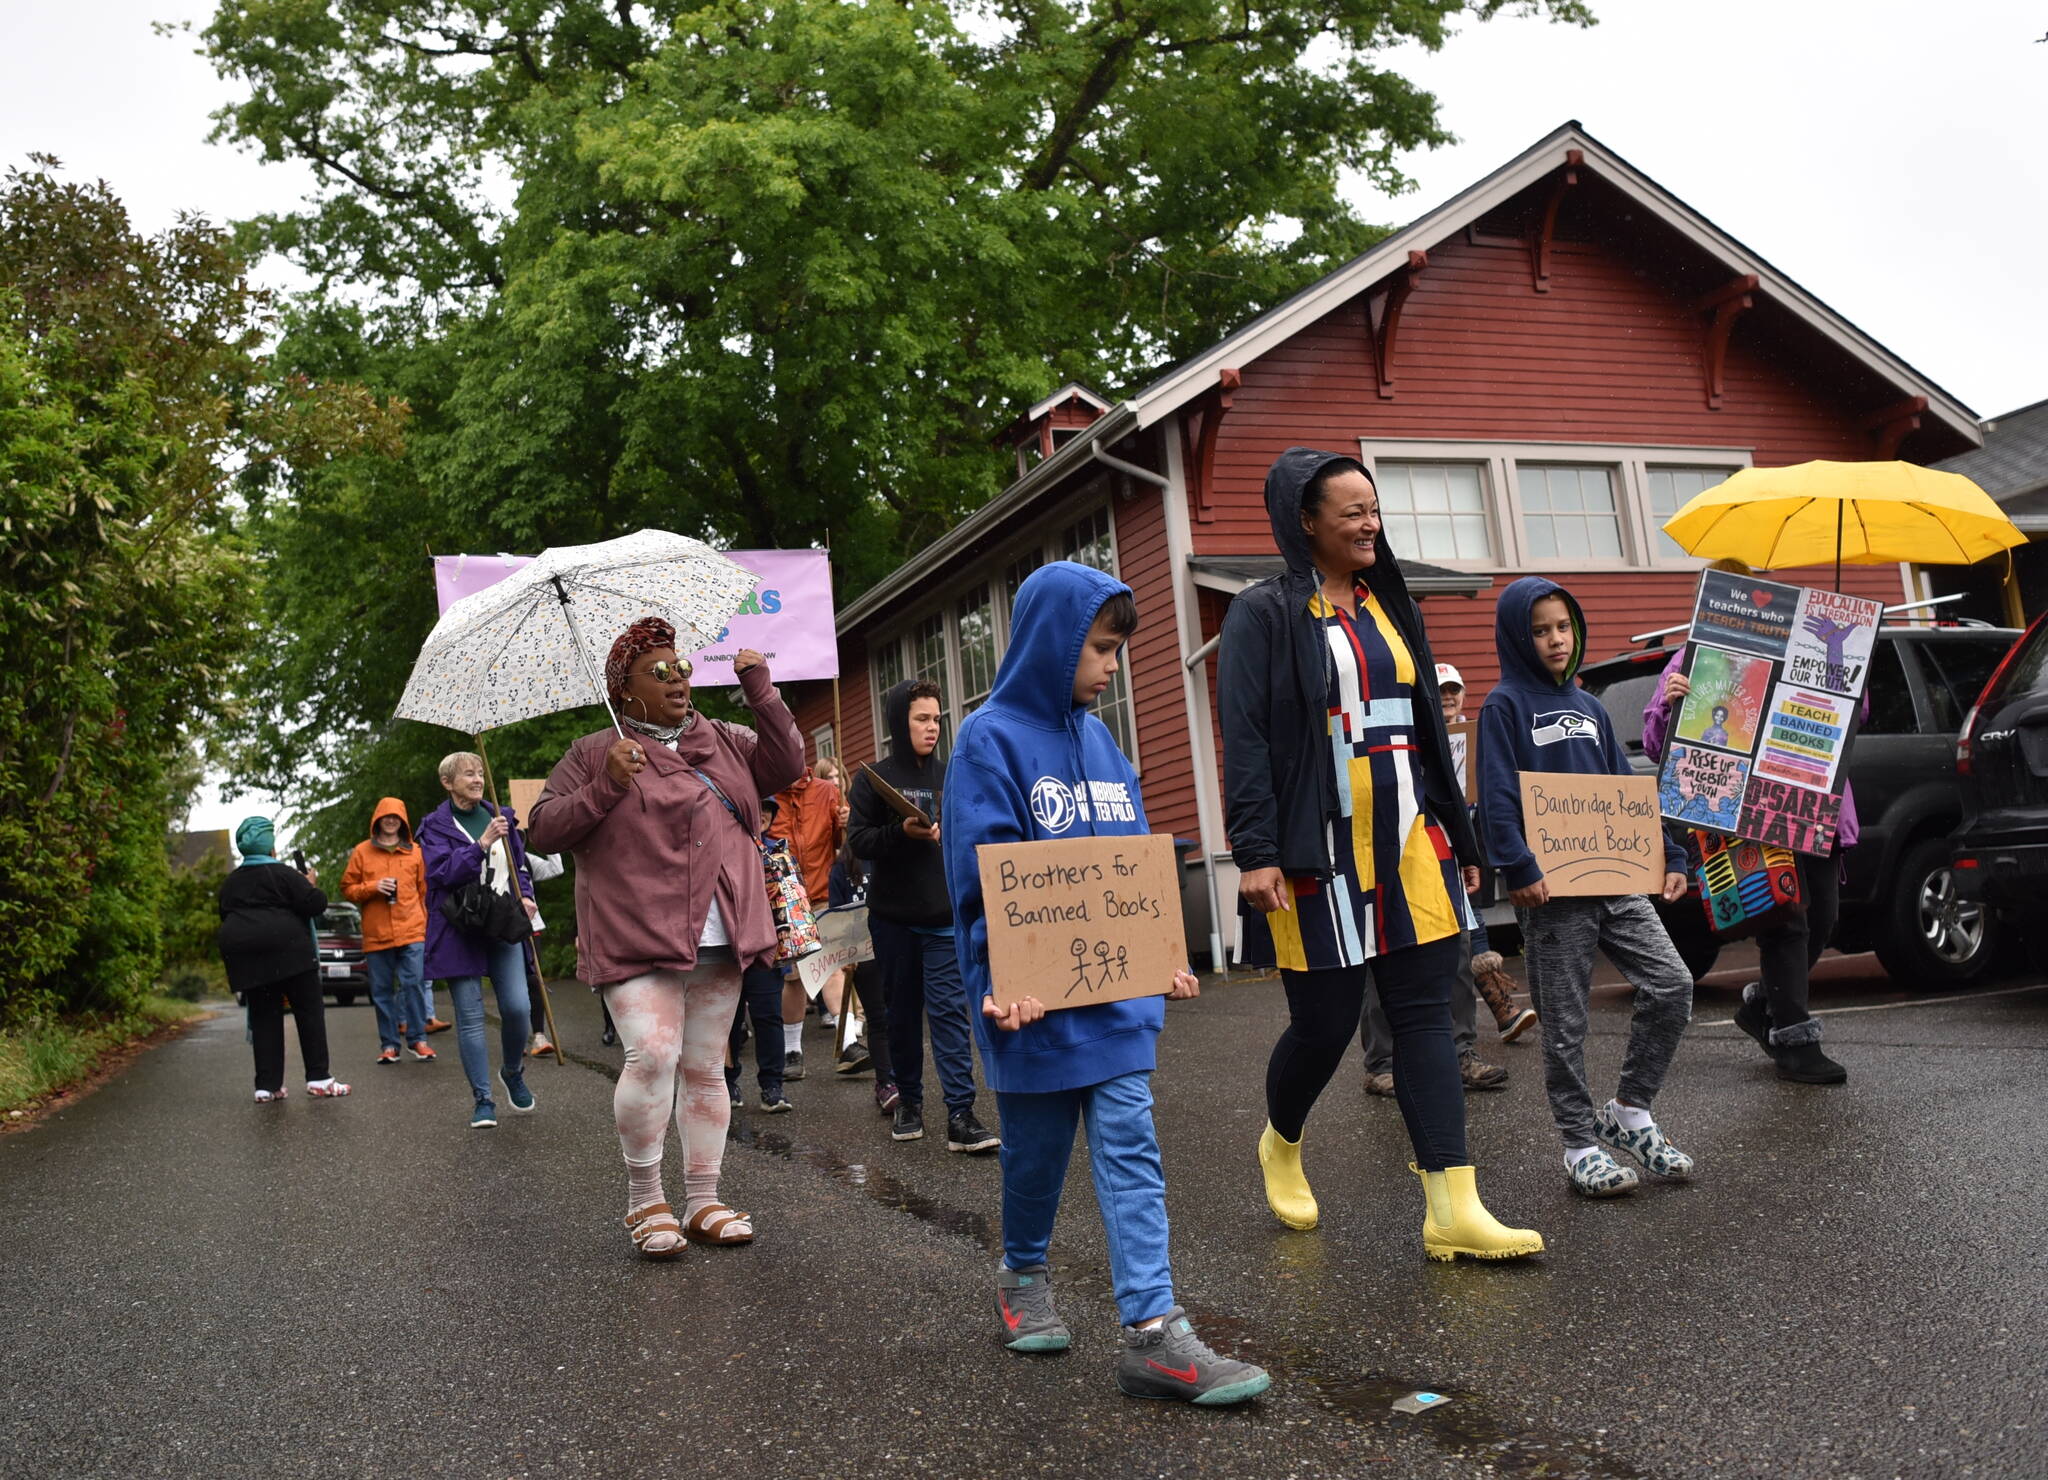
pixel 1890 155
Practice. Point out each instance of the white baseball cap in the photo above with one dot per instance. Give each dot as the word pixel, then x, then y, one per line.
pixel 1446 676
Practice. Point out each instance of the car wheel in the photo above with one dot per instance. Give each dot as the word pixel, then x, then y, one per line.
pixel 1930 936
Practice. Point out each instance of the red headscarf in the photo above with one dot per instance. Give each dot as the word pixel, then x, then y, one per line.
pixel 643 637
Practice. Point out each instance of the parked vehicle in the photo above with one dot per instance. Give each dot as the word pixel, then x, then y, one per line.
pixel 2001 849
pixel 1899 895
pixel 343 974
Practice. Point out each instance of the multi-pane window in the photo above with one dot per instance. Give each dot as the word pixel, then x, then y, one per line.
pixel 1089 542
pixel 824 742
pixel 1669 489
pixel 928 662
pixel 1435 511
pixel 1569 511
pixel 885 663
pixel 1015 572
pixel 974 620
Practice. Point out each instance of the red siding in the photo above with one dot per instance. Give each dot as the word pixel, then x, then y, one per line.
pixel 812 706
pixel 1157 695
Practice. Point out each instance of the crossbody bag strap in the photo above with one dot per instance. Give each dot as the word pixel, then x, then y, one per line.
pixel 719 792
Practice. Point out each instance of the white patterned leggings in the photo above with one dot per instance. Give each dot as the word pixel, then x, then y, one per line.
pixel 667 1021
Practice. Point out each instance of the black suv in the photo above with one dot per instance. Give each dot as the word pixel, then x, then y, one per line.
pixel 2001 851
pixel 1899 894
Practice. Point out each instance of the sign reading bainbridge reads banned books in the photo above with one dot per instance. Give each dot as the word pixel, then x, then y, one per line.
pixel 1078 921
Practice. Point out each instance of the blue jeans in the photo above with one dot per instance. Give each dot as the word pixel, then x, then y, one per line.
pixel 1130 1183
pixel 921 975
pixel 399 992
pixel 507 964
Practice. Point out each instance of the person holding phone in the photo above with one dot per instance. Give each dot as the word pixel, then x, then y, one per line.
pixel 267 943
pixel 386 879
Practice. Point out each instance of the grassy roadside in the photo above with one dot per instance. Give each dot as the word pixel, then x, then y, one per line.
pixel 42 1058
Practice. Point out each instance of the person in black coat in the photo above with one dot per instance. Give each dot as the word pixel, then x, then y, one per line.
pixel 268 945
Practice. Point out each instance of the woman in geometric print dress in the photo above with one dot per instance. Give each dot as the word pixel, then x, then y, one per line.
pixel 1354 850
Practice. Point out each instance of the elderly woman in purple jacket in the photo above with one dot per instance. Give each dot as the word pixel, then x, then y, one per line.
pixel 1774 1011
pixel 457 840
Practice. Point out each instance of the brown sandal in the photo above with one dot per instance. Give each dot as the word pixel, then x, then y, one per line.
pixel 643 1224
pixel 719 1224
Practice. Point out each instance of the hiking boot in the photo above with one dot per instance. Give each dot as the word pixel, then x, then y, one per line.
pixel 1648 1146
pixel 1497 990
pixel 1379 1084
pixel 1476 1073
pixel 1170 1361
pixel 965 1133
pixel 1799 1057
pixel 908 1124
pixel 516 1090
pixel 1596 1174
pixel 1024 1301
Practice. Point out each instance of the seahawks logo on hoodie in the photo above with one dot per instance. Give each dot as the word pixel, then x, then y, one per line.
pixel 1563 724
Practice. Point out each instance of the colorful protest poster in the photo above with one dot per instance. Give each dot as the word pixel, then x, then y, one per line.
pixel 1726 706
pixel 1832 639
pixel 1804 736
pixel 1703 787
pixel 787 618
pixel 1795 817
pixel 1744 613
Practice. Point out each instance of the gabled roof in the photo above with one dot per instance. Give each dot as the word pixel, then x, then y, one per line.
pixel 1073 390
pixel 2012 465
pixel 1198 373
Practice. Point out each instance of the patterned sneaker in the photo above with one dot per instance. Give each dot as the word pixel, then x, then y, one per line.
pixel 1170 1361
pixel 1024 1301
pixel 1659 1157
pixel 1596 1174
pixel 516 1090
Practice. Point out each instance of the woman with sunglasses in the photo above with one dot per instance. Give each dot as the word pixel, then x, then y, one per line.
pixel 671 907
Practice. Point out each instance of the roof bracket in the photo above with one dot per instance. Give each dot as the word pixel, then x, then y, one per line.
pixel 1725 304
pixel 1546 230
pixel 1383 317
pixel 1890 426
pixel 1198 448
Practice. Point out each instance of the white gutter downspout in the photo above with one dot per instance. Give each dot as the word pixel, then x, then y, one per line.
pixel 1130 469
pixel 1187 613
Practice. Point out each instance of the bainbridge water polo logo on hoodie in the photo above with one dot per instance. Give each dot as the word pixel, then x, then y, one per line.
pixel 1056 805
pixel 1563 724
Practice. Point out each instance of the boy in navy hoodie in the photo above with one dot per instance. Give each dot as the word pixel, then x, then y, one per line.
pixel 1032 763
pixel 1538 719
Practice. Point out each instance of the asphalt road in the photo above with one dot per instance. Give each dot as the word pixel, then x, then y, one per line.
pixel 1852 1287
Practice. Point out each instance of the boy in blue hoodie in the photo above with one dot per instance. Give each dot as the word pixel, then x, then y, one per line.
pixel 1030 764
pixel 1538 719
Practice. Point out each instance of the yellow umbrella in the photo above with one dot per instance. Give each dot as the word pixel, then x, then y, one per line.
pixel 1867 513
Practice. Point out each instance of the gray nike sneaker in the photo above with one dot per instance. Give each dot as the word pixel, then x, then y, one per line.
pixel 1024 1301
pixel 1170 1361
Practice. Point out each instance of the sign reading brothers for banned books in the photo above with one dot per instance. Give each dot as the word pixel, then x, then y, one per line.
pixel 1777 675
pixel 1076 921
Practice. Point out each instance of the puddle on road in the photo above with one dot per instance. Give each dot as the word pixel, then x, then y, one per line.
pixel 1463 1427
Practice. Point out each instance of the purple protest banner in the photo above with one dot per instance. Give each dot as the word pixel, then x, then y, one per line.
pixel 787 618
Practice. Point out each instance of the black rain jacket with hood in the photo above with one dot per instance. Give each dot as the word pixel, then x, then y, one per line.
pixel 1273 682
pixel 906 875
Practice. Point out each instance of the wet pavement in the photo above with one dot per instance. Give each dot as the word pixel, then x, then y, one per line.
pixel 1853 1286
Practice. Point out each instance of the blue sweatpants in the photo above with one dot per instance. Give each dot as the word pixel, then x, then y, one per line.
pixel 1130 1183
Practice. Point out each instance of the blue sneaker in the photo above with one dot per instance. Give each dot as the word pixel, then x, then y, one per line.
pixel 1659 1157
pixel 484 1116
pixel 516 1090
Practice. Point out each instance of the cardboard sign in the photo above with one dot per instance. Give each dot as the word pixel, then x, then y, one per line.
pixel 843 941
pixel 521 795
pixel 1078 921
pixel 1465 757
pixel 1594 834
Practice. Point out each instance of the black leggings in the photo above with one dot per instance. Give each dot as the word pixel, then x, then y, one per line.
pixel 864 984
pixel 266 1026
pixel 1323 1009
pixel 1786 953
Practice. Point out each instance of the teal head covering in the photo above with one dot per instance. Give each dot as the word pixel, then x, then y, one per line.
pixel 256 840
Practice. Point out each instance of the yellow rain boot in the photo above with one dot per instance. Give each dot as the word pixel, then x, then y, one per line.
pixel 1287 1191
pixel 1456 1222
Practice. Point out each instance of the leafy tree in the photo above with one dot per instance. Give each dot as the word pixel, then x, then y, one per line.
pixel 757 271
pixel 129 383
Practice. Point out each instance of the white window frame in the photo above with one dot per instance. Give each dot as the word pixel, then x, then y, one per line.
pixel 992 567
pixel 824 742
pixel 1501 481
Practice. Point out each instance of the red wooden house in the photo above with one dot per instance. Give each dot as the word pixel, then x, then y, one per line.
pixel 1537 373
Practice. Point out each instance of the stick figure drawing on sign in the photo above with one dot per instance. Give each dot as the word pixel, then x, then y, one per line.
pixel 1080 952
